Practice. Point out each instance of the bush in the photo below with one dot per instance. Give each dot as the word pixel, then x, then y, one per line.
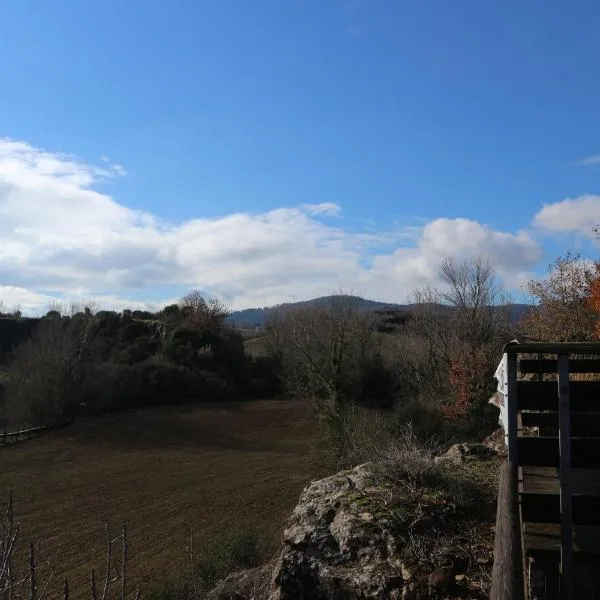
pixel 354 435
pixel 230 552
pixel 14 332
pixel 262 377
pixel 426 419
pixel 154 383
pixel 407 457
pixel 217 558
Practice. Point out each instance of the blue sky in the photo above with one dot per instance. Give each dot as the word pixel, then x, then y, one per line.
pixel 423 122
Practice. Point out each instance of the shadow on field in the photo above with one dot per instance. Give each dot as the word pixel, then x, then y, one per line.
pixel 221 427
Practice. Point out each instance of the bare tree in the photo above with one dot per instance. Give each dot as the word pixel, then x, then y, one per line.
pixel 55 306
pixel 46 374
pixel 469 310
pixel 457 336
pixel 323 349
pixel 14 312
pixel 209 314
pixel 32 582
pixel 473 290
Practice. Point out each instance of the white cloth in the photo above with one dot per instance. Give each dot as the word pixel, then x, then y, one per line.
pixel 501 396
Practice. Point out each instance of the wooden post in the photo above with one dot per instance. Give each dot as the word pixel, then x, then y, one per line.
pixel 512 409
pixel 566 509
pixel 507 573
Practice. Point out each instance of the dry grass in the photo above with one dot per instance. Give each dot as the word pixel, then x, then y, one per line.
pixel 256 346
pixel 208 468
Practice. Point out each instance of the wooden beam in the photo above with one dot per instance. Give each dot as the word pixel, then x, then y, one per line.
pixel 512 397
pixel 552 348
pixel 545 452
pixel 544 480
pixel 507 571
pixel 545 537
pixel 582 365
pixel 582 423
pixel 546 508
pixel 541 395
pixel 566 507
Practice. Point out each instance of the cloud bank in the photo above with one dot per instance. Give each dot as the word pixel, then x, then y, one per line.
pixel 61 238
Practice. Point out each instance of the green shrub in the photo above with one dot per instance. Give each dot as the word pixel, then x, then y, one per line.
pixel 230 552
pixel 354 435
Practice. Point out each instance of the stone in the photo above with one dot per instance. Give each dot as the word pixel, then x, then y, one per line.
pixel 347 540
pixel 439 581
pixel 496 442
pixel 459 453
pixel 337 546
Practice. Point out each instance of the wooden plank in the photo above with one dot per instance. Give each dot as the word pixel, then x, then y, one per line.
pixel 586 572
pixel 512 409
pixel 544 480
pixel 545 508
pixel 543 452
pixel 552 348
pixel 507 571
pixel 566 501
pixel 576 365
pixel 585 423
pixel 542 395
pixel 545 537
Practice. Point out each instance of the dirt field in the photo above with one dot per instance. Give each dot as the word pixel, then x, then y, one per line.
pixel 161 471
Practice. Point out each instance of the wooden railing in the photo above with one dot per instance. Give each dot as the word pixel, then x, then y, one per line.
pixel 550 483
pixel 10 437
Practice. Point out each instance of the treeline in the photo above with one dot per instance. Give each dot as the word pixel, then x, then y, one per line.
pixel 85 362
pixel 432 366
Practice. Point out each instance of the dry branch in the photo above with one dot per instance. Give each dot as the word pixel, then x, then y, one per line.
pixel 26 586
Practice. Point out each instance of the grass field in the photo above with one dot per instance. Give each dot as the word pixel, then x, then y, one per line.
pixel 163 471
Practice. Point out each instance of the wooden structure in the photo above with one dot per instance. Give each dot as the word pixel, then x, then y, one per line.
pixel 10 437
pixel 548 520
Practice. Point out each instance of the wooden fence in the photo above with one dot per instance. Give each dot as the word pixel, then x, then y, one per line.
pixel 548 520
pixel 11 437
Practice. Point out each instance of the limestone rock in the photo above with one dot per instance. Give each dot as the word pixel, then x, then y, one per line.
pixel 359 535
pixel 459 453
pixel 496 443
pixel 338 546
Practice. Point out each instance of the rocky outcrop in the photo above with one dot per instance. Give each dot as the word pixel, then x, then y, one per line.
pixel 354 536
pixel 364 534
pixel 337 546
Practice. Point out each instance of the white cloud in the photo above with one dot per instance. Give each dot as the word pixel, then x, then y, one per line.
pixel 60 237
pixel 590 160
pixel 579 215
pixel 12 297
pixel 325 208
pixel 513 254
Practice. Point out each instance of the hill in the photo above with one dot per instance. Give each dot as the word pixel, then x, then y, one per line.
pixel 251 317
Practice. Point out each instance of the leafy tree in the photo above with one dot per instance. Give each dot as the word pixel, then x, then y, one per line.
pixel 565 302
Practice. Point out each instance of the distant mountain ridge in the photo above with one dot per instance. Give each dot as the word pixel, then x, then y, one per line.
pixel 251 317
